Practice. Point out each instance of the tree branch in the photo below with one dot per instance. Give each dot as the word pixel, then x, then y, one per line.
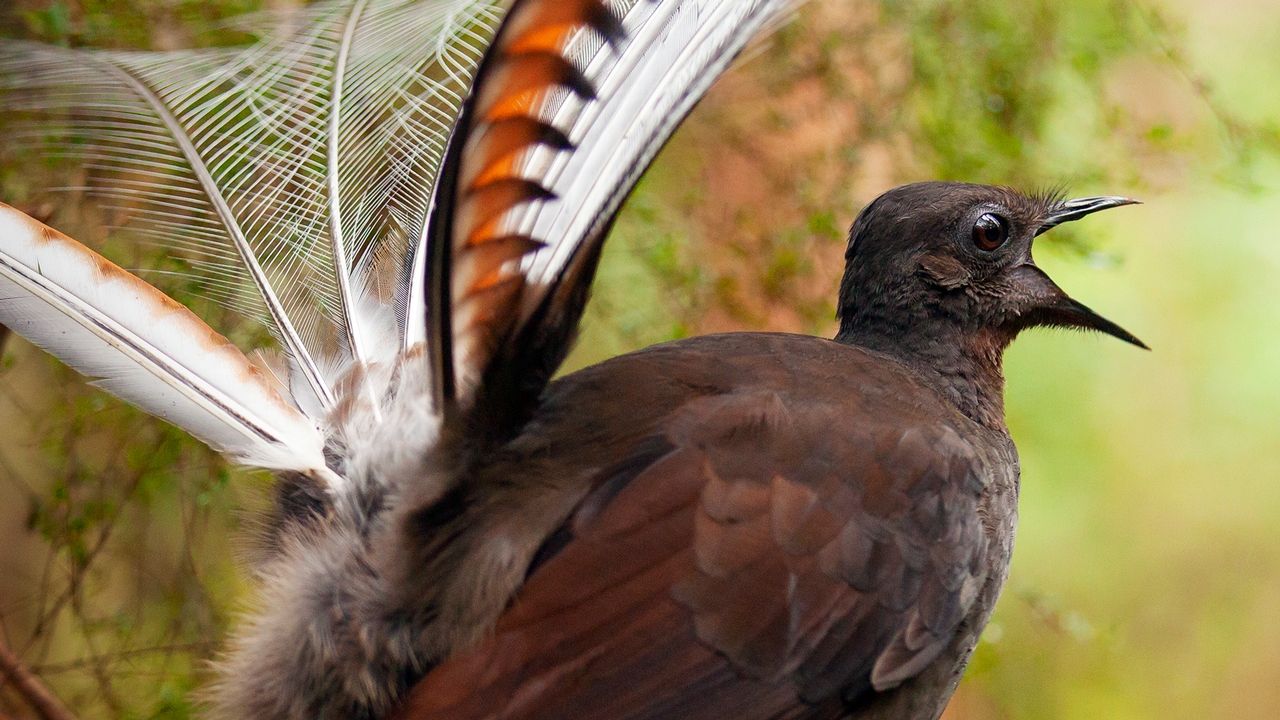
pixel 46 705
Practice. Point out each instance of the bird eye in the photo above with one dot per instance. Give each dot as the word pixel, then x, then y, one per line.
pixel 990 232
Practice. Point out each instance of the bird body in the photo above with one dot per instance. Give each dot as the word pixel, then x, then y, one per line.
pixel 752 520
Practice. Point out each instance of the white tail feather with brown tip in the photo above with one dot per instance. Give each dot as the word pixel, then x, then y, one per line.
pixel 146 349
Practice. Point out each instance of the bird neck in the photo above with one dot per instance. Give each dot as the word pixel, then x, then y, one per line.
pixel 963 367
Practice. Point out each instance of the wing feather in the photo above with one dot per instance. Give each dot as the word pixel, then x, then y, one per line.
pixel 762 568
pixel 146 349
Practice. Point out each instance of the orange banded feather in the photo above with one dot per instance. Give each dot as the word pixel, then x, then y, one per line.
pixel 525 65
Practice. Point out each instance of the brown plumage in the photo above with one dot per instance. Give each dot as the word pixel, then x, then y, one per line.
pixel 779 519
pixel 757 526
pixel 415 494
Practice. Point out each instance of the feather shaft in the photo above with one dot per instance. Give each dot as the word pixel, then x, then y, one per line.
pixel 340 262
pixel 247 255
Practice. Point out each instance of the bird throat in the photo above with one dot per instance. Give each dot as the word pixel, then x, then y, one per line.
pixel 965 367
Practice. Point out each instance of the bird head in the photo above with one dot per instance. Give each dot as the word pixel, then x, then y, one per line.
pixel 932 263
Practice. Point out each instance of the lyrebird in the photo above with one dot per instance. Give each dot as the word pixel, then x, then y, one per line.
pixel 412 197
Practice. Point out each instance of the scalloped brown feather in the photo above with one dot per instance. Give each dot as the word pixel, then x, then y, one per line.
pixel 810 530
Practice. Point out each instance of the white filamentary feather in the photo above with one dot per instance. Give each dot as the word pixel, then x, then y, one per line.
pixel 294 179
pixel 285 179
pixel 284 176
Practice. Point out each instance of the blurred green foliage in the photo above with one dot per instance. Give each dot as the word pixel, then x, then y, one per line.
pixel 1147 578
pixel 130 24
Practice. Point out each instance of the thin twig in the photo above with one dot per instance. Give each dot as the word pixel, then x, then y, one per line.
pixel 46 705
pixel 121 656
pixel 105 534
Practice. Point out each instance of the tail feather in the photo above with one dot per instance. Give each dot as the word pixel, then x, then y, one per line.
pixel 571 104
pixel 288 179
pixel 146 348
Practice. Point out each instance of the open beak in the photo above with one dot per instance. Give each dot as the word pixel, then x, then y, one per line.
pixel 1066 312
pixel 1045 303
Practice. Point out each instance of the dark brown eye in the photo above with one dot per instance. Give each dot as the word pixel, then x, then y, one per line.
pixel 990 232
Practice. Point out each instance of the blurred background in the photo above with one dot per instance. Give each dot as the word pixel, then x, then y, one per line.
pixel 1146 578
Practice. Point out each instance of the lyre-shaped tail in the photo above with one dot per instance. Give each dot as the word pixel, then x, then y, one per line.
pixel 317 181
pixel 572 102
